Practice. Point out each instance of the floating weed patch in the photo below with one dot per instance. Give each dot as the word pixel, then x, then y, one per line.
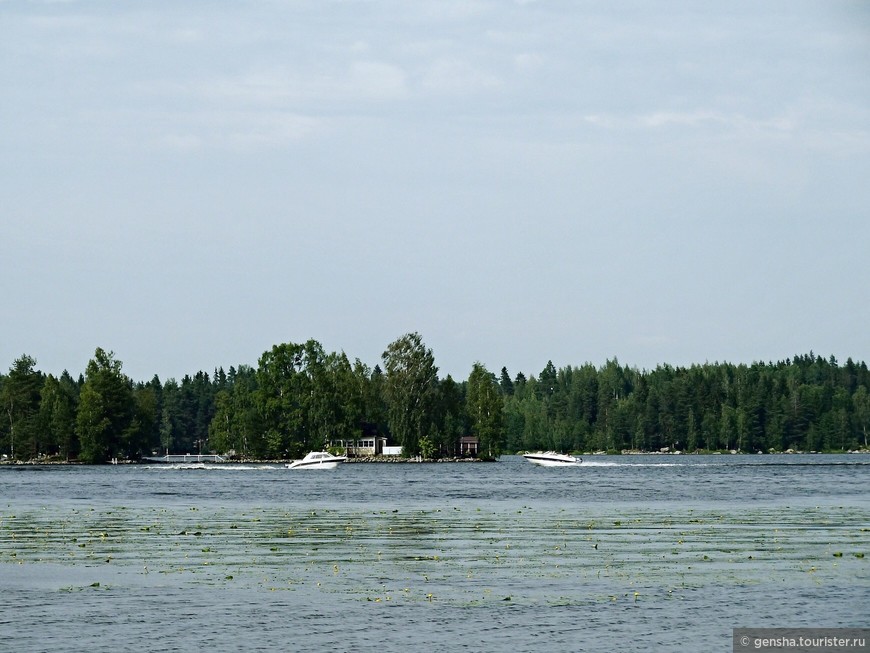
pixel 448 553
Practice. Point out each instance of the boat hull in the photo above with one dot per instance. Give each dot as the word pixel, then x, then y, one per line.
pixel 315 465
pixel 317 460
pixel 552 460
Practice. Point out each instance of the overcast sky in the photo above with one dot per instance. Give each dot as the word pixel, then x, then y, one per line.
pixel 189 183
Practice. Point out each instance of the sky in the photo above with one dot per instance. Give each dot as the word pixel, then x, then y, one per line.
pixel 187 184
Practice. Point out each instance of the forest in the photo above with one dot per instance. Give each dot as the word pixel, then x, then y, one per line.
pixel 300 398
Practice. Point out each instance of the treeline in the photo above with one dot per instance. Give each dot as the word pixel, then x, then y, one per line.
pixel 300 398
pixel 806 403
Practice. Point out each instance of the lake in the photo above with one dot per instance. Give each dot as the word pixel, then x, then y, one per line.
pixel 623 553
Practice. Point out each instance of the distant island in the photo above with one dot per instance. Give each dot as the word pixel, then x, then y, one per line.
pixel 300 398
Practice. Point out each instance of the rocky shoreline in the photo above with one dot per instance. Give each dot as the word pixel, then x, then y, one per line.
pixel 256 461
pixel 399 459
pixel 418 460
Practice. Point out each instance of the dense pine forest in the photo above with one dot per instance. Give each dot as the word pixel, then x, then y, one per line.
pixel 300 397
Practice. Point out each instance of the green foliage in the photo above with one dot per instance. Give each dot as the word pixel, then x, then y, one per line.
pixel 57 416
pixel 449 419
pixel 282 391
pixel 306 398
pixel 808 403
pixel 105 418
pixel 485 408
pixel 301 397
pixel 410 390
pixel 236 426
pixel 20 397
pixel 861 402
pixel 93 427
pixel 427 448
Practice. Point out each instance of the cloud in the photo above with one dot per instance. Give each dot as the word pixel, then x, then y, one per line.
pixel 455 76
pixel 276 87
pixel 374 80
pixel 833 128
pixel 186 35
pixel 236 130
pixel 266 107
pixel 694 119
pixel 685 118
pixel 710 118
pixel 526 62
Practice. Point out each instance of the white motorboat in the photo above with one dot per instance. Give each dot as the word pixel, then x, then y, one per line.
pixel 552 459
pixel 317 460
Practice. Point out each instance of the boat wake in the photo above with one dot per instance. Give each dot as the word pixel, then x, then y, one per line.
pixel 224 467
pixel 593 463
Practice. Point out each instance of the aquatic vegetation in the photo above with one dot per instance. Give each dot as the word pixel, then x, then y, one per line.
pixel 455 555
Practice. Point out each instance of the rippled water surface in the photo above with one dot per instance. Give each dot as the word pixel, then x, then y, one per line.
pixel 630 553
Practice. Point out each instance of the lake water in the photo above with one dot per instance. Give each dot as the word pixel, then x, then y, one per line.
pixel 624 553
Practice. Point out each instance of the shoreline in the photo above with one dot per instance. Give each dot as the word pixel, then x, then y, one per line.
pixel 396 460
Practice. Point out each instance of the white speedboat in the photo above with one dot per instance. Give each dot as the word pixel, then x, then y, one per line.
pixel 552 459
pixel 317 460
